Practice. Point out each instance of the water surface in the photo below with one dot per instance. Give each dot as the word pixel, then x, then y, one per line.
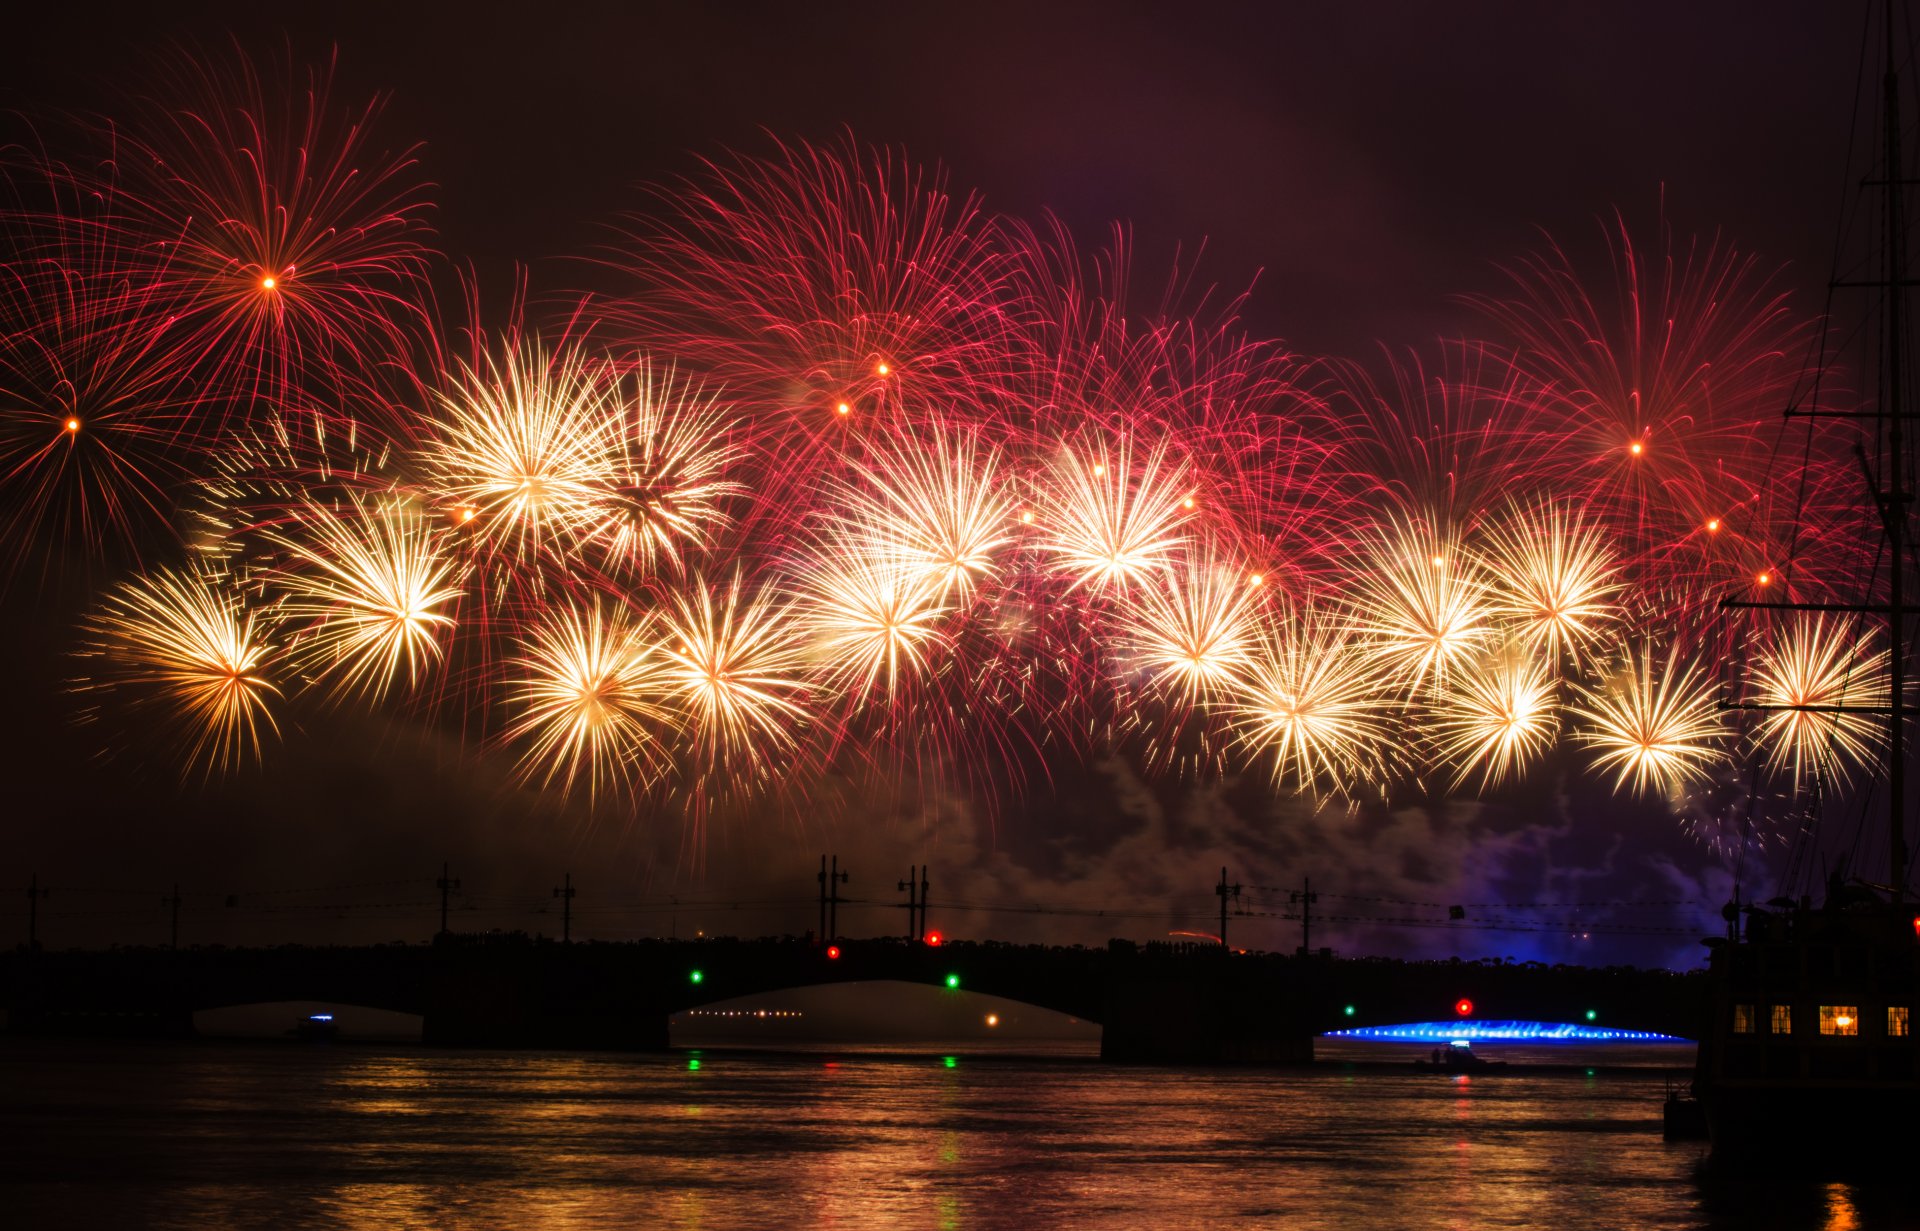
pixel 244 1135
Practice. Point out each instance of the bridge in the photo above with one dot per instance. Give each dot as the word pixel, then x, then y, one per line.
pixel 1156 1003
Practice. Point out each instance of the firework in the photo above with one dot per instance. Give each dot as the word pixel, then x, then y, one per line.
pixel 936 507
pixel 529 448
pixel 1553 581
pixel 1655 725
pixel 1192 630
pixel 734 667
pixel 668 481
pixel 1662 372
pixel 595 697
pixel 978 501
pixel 97 416
pixel 822 287
pixel 184 643
pixel 1312 693
pixel 865 613
pixel 1423 603
pixel 1497 719
pixel 1108 520
pixel 1811 676
pixel 290 242
pixel 374 582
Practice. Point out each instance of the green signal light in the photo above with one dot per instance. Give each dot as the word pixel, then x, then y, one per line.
pixel 1592 1016
pixel 952 1062
pixel 1348 1010
pixel 693 1066
pixel 953 982
pixel 696 976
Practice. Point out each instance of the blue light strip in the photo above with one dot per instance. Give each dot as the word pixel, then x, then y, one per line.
pixel 1568 1032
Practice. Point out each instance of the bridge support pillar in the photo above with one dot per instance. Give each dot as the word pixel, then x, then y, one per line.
pixel 1183 1019
pixel 560 1004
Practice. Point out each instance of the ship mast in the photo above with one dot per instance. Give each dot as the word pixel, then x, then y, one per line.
pixel 1893 498
pixel 1888 488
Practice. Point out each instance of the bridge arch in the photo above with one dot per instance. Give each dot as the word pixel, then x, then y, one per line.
pixel 884 1011
pixel 315 1019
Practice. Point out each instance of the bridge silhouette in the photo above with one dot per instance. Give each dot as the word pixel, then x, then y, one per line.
pixel 1156 1003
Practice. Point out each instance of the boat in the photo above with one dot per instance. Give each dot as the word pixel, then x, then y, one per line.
pixel 1456 1057
pixel 316 1027
pixel 1807 1053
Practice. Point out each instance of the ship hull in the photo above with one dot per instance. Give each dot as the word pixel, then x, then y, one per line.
pixel 1838 1127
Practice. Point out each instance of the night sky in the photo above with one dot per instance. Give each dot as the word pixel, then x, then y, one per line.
pixel 1365 163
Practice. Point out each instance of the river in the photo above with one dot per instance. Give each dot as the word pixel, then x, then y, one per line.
pixel 197 1135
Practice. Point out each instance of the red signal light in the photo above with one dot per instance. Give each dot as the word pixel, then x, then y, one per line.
pixel 933 939
pixel 1463 1006
pixel 1916 927
pixel 833 951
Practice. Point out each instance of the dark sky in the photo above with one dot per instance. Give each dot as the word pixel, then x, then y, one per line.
pixel 1372 159
pixel 1366 161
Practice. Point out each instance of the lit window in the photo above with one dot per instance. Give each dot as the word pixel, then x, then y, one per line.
pixel 1839 1019
pixel 1743 1019
pixel 1897 1021
pixel 1782 1020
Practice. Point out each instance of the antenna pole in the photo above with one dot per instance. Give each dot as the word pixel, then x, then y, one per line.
pixel 565 894
pixel 1225 891
pixel 446 885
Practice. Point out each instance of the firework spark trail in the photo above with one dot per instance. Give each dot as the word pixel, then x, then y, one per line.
pixel 938 507
pixel 1498 719
pixel 530 448
pixel 1313 695
pixel 1193 630
pixel 1811 669
pixel 1422 603
pixel 1655 727
pixel 184 643
pixel 294 246
pixel 1660 375
pixel 868 616
pixel 1109 521
pixel 97 414
pixel 594 692
pixel 735 665
pixel 374 582
pixel 1553 580
pixel 670 487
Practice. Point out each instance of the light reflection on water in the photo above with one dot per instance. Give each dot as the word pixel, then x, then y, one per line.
pixel 159 1135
